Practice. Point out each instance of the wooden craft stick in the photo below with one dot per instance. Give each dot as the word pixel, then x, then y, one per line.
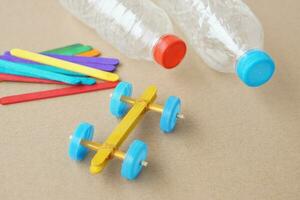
pixel 23 79
pixel 74 59
pixel 108 76
pixel 56 93
pixel 91 53
pixel 70 50
pixel 7 67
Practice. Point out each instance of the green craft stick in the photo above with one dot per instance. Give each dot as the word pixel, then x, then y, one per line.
pixel 64 48
pixel 70 50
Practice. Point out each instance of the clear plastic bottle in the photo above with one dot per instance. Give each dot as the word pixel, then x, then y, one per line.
pixel 137 28
pixel 226 34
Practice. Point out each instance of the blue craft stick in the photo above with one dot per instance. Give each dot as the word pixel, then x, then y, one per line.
pixel 11 58
pixel 81 80
pixel 87 81
pixel 8 67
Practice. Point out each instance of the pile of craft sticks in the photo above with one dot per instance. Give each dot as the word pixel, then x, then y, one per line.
pixel 78 66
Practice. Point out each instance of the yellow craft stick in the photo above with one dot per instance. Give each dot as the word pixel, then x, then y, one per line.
pixel 121 132
pixel 108 76
pixel 91 53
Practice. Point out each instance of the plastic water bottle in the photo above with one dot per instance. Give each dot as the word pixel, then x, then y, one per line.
pixel 226 34
pixel 137 28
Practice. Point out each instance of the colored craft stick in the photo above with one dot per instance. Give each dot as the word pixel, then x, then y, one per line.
pixel 70 50
pixel 91 53
pixel 98 60
pixel 78 80
pixel 87 80
pixel 28 72
pixel 71 46
pixel 85 61
pixel 24 70
pixel 14 59
pixel 9 57
pixel 108 76
pixel 56 93
pixel 23 79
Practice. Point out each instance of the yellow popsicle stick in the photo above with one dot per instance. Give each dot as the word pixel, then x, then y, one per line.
pixel 133 116
pixel 96 146
pixel 98 169
pixel 91 53
pixel 121 132
pixel 108 76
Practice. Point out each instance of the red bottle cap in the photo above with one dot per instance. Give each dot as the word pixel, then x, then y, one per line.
pixel 169 51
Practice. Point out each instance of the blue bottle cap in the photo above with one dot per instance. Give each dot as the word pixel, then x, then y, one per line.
pixel 255 68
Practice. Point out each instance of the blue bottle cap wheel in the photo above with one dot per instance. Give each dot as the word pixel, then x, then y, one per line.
pixel 255 68
pixel 117 107
pixel 168 118
pixel 84 131
pixel 132 164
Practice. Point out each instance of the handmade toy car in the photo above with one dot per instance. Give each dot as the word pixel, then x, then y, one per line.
pixel 135 157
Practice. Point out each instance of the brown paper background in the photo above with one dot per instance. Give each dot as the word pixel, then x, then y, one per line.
pixel 235 143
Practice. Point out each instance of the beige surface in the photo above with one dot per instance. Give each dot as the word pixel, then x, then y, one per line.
pixel 235 143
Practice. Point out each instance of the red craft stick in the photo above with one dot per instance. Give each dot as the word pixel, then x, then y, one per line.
pixel 56 93
pixel 14 78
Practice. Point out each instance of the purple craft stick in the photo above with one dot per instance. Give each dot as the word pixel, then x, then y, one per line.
pixel 106 67
pixel 98 60
pixel 7 56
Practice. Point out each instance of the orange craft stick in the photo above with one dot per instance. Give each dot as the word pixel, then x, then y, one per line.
pixel 91 53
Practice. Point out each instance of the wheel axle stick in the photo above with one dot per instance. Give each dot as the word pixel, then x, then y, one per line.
pixel 152 106
pixel 116 153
